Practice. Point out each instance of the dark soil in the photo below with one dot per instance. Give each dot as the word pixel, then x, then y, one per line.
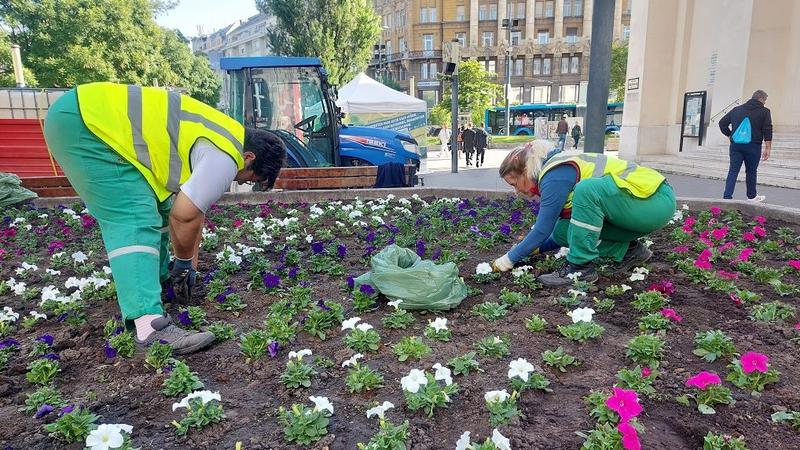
pixel 126 391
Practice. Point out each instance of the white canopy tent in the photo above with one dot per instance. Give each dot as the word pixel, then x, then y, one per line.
pixel 365 95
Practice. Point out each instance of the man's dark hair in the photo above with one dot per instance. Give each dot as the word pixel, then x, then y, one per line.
pixel 270 154
pixel 759 95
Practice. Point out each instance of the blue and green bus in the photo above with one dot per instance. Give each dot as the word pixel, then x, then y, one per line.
pixel 523 117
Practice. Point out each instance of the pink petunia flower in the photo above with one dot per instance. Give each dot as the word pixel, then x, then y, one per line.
pixel 670 313
pixel 761 220
pixel 237 223
pixel 748 236
pixel 754 362
pixel 624 402
pixel 744 255
pixel 664 286
pixel 706 254
pixel 797 326
pixel 726 246
pixel 630 438
pixel 681 249
pixel 728 275
pixel 687 229
pixel 735 298
pixel 715 211
pixel 689 221
pixel 703 379
pixel 646 372
pixel 704 234
pixel 719 233
pixel 702 264
pixel 794 263
pixel 759 231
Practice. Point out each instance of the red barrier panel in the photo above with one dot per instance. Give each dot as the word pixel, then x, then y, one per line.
pixel 23 150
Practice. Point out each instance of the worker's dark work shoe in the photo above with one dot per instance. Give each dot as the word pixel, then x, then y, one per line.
pixel 182 341
pixel 567 274
pixel 636 255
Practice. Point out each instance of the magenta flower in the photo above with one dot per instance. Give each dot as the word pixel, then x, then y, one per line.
pixel 735 298
pixel 715 211
pixel 720 233
pixel 706 254
pixel 630 438
pixel 728 275
pixel 664 286
pixel 759 231
pixel 702 264
pixel 744 255
pixel 761 220
pixel 87 221
pixel 237 223
pixel 681 249
pixel 687 229
pixel 646 372
pixel 689 221
pixel 794 263
pixel 703 379
pixel 726 246
pixel 670 313
pixel 754 362
pixel 624 402
pixel 748 236
pixel 54 246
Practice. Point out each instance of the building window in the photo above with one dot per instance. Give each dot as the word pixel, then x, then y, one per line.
pixel 519 65
pixel 493 11
pixel 540 94
pixel 521 10
pixel 537 66
pixel 546 65
pixel 515 95
pixel 572 35
pixel 460 13
pixel 432 14
pixel 516 36
pixel 490 65
pixel 402 44
pixel 482 12
pixel 402 73
pixel 567 8
pixel 425 74
pixel 544 37
pixel 431 98
pixel 565 64
pixel 626 33
pixel 577 10
pixel 488 38
pixel 388 48
pixel 539 9
pixel 462 39
pixel 427 42
pixel 575 64
pixel 423 15
pixel 548 8
pixel 568 93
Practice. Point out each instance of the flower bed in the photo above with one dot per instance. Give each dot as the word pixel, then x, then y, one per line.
pixel 699 346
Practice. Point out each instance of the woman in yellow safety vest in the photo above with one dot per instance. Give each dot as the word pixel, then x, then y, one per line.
pixel 128 151
pixel 596 205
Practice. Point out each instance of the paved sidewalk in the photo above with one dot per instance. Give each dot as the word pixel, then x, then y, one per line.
pixel 436 173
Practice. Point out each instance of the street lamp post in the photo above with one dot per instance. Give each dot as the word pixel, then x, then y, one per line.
pixel 510 25
pixel 379 52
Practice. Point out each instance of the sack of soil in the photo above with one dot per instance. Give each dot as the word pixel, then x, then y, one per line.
pixel 400 274
pixel 12 192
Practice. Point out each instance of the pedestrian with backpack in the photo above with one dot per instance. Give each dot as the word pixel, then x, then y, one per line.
pixel 747 126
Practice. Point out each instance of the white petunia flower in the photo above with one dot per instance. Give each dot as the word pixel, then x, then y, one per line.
pixel 443 374
pixel 19 288
pixel 353 360
pixel 625 287
pixel 50 293
pixel 79 257
pixel 380 410
pixel 52 272
pixel 483 268
pixel 581 315
pixel 496 396
pixel 396 304
pixel 299 355
pixel 648 243
pixel 38 316
pixel 639 274
pixel 520 368
pixel 562 252
pixel 464 442
pixel 500 441
pixel 439 324
pixel 413 381
pixel 574 275
pixel 205 396
pixel 497 340
pixel 309 238
pixel 350 323
pixel 685 207
pixel 364 327
pixel 321 403
pixel 107 436
pixel 576 293
pixel 522 270
pixel 8 315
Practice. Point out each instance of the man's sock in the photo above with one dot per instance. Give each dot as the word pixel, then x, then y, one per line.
pixel 144 325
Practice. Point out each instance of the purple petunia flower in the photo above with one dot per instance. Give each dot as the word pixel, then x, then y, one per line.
pixel 516 218
pixel 55 245
pixel 436 254
pixel 505 229
pixel 110 351
pixel 341 251
pixel 317 247
pixel 271 280
pixel 420 248
pixel 274 347
pixel 367 289
pixel 46 339
pixel 321 304
pixel 8 343
pixel 351 282
pixel 51 357
pixel 43 411
pixel 87 221
pixel 220 298
pixel 184 319
pixel 472 213
pixel 67 409
pixel 475 229
pixel 171 293
pixel 392 228
pixel 62 317
pixel 293 272
pixel 370 236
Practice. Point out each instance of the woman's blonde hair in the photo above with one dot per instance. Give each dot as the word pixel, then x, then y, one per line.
pixel 526 160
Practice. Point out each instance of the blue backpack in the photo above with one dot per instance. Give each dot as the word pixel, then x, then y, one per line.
pixel 742 135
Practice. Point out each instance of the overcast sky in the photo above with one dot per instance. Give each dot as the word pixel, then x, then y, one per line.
pixel 210 14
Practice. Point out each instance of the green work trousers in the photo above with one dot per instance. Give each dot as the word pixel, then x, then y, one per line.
pixel 605 219
pixel 134 224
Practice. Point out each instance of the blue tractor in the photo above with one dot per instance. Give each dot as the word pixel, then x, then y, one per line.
pixel 291 97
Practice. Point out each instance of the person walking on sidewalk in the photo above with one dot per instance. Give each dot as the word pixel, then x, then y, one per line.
pixel 481 141
pixel 444 137
pixel 576 134
pixel 127 151
pixel 561 130
pixel 747 126
pixel 469 142
pixel 596 205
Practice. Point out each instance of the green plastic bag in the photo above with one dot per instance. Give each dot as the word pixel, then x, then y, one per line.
pixel 399 274
pixel 11 190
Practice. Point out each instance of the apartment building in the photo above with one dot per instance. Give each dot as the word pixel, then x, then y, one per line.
pixel 549 47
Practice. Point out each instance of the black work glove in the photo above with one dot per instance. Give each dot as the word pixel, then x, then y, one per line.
pixel 183 277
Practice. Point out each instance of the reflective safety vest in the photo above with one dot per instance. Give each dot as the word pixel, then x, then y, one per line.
pixel 640 181
pixel 155 129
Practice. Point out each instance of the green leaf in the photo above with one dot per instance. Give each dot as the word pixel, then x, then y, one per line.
pixel 683 400
pixel 705 409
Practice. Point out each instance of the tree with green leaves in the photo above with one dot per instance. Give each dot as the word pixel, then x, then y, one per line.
pixel 476 91
pixel 340 32
pixel 69 42
pixel 619 65
pixel 7 67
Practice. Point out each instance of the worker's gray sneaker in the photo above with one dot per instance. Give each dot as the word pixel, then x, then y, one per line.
pixel 636 255
pixel 182 341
